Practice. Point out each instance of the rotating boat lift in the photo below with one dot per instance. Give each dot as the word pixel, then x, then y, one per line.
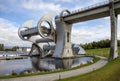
pixel 62 34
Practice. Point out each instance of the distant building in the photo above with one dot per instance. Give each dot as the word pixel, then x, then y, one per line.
pixel 23 49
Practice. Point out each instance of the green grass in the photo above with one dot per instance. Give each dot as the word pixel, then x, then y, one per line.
pixel 101 51
pixel 110 72
pixel 49 72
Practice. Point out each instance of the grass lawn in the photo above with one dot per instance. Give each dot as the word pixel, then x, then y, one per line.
pixel 101 51
pixel 110 72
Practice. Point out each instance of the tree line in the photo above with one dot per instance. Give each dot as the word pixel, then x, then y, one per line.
pixel 1 47
pixel 14 48
pixel 99 44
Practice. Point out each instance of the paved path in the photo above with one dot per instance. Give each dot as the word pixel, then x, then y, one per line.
pixel 66 74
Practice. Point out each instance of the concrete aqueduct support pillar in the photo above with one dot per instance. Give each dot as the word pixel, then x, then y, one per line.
pixel 63 45
pixel 113 18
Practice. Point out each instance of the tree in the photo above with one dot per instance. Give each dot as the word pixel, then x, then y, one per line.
pixel 118 42
pixel 99 44
pixel 1 47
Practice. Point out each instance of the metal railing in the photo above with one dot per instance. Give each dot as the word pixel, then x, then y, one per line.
pixel 89 7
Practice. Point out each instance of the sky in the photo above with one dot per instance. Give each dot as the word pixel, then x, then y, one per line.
pixel 13 13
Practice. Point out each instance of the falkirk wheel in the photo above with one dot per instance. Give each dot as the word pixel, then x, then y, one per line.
pixel 60 35
pixel 50 57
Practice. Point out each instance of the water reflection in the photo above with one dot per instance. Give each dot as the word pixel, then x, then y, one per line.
pixel 7 66
pixel 34 63
pixel 49 63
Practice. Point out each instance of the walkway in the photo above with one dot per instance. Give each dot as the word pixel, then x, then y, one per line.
pixel 66 74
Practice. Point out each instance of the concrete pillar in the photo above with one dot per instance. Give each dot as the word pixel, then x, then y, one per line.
pixel 113 20
pixel 63 44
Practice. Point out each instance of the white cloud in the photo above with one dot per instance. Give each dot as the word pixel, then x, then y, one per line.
pixel 36 8
pixel 9 34
pixel 86 33
pixel 118 17
pixel 82 4
pixel 40 6
pixel 68 1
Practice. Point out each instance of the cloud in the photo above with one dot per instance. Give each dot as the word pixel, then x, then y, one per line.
pixel 67 1
pixel 82 4
pixel 88 35
pixel 9 34
pixel 28 9
pixel 40 6
pixel 84 32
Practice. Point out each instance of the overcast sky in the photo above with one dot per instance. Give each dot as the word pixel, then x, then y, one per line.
pixel 14 13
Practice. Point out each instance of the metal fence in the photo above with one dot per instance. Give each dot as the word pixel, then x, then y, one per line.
pixel 90 7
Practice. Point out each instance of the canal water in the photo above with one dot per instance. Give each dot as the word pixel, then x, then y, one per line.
pixel 7 66
pixel 43 64
pixel 49 63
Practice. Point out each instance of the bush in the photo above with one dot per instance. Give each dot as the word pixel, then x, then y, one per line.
pixel 13 73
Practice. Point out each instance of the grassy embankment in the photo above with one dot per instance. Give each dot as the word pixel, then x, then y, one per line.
pixel 110 72
pixel 101 51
